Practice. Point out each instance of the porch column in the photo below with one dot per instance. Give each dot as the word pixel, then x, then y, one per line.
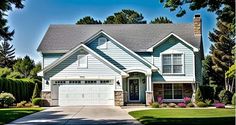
pixel 149 89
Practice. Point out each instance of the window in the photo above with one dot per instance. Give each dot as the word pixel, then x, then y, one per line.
pixel 173 91
pixel 82 61
pixel 172 63
pixel 102 43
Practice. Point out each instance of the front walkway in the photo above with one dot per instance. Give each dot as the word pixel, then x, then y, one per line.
pixel 82 115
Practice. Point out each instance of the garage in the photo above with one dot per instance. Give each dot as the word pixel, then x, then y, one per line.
pixel 83 92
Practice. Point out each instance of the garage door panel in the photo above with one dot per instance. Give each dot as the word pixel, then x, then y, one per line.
pixel 72 95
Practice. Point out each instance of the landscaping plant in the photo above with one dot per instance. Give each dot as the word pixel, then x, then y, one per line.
pixel 190 105
pixel 182 105
pixel 225 96
pixel 187 100
pixel 155 105
pixel 233 99
pixel 37 101
pixel 8 98
pixel 201 104
pixel 208 102
pixel 219 105
pixel 159 99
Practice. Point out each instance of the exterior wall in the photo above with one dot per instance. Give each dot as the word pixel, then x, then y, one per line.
pixel 173 45
pixel 69 69
pixel 119 98
pixel 117 55
pixel 48 58
pixel 158 90
pixel 146 55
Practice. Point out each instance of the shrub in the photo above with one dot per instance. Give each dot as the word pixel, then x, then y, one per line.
pixel 163 105
pixel 172 105
pixel 190 105
pixel 4 72
pixel 201 104
pixel 155 105
pixel 8 98
pixel 187 100
pixel 36 92
pixel 14 75
pixel 38 101
pixel 207 92
pixel 198 95
pixel 219 105
pixel 182 105
pixel 28 105
pixel 19 105
pixel 208 102
pixel 159 99
pixel 225 96
pixel 234 99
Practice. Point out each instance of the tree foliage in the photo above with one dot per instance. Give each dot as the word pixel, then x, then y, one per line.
pixel 88 20
pixel 6 6
pixel 7 55
pixel 225 9
pixel 24 66
pixel 161 19
pixel 222 57
pixel 126 16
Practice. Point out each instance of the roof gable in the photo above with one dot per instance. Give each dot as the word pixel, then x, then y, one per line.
pixel 71 52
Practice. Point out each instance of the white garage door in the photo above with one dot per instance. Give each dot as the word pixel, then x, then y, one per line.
pixel 87 92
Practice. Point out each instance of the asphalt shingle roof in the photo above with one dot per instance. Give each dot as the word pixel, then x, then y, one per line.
pixel 137 37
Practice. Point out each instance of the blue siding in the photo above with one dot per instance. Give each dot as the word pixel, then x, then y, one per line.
pixel 117 55
pixel 48 58
pixel 173 45
pixel 69 68
pixel 198 69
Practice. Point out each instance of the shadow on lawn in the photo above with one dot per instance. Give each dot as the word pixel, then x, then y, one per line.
pixel 148 120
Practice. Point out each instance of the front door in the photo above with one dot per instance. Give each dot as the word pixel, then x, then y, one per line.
pixel 134 89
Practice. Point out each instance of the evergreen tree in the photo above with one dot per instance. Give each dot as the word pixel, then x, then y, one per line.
pixel 161 19
pixel 126 16
pixel 6 6
pixel 7 54
pixel 222 58
pixel 88 20
pixel 36 92
pixel 24 66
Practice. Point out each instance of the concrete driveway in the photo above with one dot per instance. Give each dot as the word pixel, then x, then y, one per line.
pixel 81 115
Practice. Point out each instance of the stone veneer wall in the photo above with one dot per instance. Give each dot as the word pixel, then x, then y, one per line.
pixel 47 95
pixel 158 90
pixel 119 98
pixel 149 98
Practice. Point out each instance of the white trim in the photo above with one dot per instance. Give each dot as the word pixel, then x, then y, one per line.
pixel 78 60
pixel 100 46
pixel 54 51
pixel 172 68
pixel 173 100
pixel 194 75
pixel 163 40
pixel 174 82
pixel 71 52
pixel 83 78
pixel 139 89
pixel 152 66
pixel 137 69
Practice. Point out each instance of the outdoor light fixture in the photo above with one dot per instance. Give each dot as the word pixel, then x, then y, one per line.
pixel 118 82
pixel 47 83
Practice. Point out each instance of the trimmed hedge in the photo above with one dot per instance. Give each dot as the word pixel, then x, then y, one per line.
pixel 205 92
pixel 22 89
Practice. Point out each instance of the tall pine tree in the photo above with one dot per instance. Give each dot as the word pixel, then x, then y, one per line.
pixel 7 54
pixel 222 58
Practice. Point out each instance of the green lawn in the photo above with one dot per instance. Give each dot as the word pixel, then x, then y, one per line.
pixel 185 116
pixel 9 114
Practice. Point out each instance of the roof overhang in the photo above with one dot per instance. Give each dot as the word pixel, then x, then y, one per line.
pixel 168 36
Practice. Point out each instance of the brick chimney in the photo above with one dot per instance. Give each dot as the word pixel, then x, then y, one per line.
pixel 197 25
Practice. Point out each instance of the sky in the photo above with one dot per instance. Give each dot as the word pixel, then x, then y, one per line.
pixel 31 22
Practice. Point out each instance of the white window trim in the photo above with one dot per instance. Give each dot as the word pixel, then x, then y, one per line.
pixel 102 46
pixel 78 61
pixel 172 53
pixel 173 92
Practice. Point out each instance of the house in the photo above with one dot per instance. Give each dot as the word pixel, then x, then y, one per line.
pixel 117 64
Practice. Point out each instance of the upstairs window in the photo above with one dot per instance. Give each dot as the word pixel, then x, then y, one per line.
pixel 102 43
pixel 172 63
pixel 82 61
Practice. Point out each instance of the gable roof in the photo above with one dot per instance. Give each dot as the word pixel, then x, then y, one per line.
pixel 176 36
pixel 72 51
pixel 136 37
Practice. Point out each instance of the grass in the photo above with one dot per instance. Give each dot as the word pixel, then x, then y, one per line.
pixel 9 114
pixel 185 116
